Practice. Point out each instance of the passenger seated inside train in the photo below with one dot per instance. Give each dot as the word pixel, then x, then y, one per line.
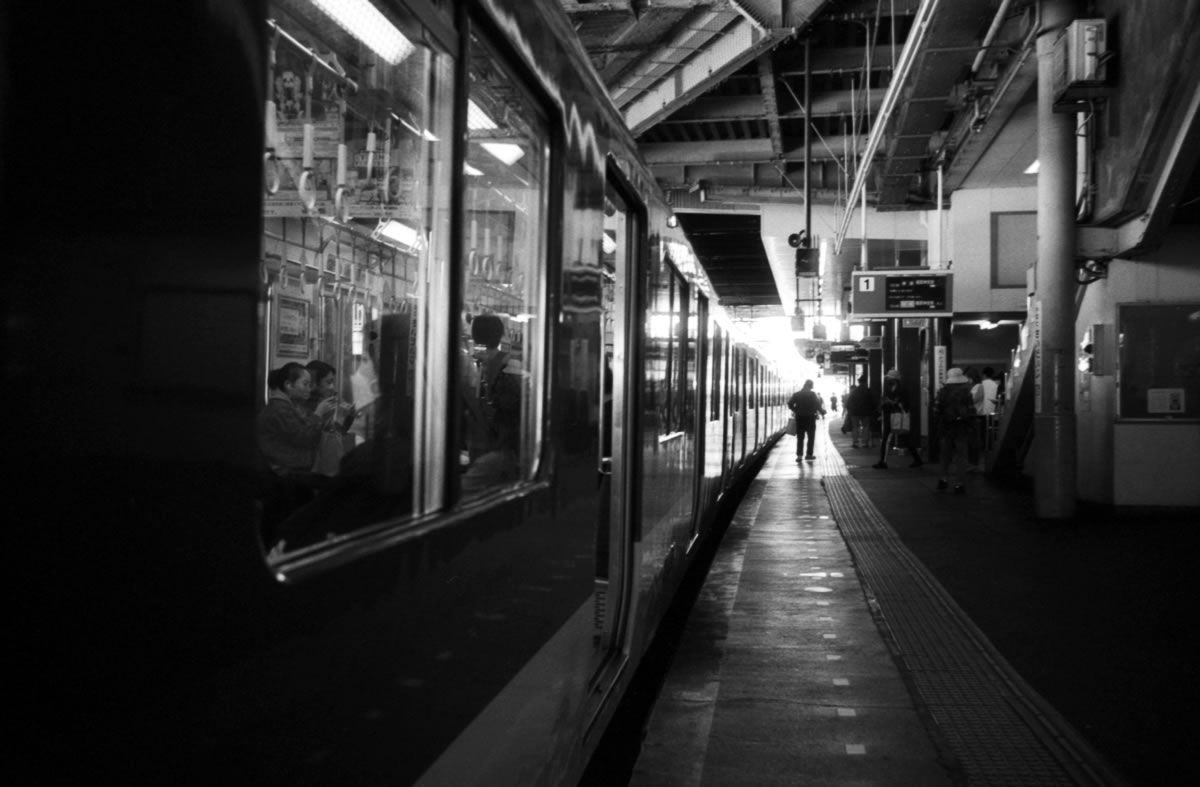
pixel 374 480
pixel 324 390
pixel 288 430
pixel 288 433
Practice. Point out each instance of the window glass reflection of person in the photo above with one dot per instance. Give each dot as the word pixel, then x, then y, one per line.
pixel 288 432
pixel 497 440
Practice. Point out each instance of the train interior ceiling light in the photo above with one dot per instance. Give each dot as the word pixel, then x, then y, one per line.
pixel 362 20
pixel 398 233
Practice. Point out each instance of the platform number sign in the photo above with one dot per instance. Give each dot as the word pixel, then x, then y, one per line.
pixel 909 293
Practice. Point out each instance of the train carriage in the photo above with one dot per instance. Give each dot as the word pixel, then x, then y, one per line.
pixel 465 593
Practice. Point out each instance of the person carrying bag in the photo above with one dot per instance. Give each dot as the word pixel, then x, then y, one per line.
pixel 895 411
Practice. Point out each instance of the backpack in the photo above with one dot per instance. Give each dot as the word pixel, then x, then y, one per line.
pixel 957 404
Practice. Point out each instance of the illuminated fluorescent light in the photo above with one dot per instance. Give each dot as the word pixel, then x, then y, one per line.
pixel 1032 169
pixel 423 133
pixel 469 170
pixel 477 119
pixel 363 20
pixel 399 233
pixel 505 151
pixel 608 242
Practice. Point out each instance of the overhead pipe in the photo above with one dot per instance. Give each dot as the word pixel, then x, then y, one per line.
pixel 807 145
pixel 997 23
pixel 907 57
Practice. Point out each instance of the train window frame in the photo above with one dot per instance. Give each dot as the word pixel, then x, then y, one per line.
pixel 717 369
pixel 358 275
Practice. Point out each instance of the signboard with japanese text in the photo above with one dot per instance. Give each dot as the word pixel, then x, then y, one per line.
pixel 886 294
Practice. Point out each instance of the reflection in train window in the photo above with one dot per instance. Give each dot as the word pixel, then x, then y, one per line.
pixel 669 360
pixel 503 312
pixel 355 341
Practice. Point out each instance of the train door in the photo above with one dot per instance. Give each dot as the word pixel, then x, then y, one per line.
pixel 616 529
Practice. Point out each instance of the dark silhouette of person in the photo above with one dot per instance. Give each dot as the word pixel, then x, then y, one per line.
pixel 494 443
pixel 860 409
pixel 954 409
pixel 806 407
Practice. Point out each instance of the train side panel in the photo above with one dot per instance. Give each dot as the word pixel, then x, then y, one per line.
pixel 416 624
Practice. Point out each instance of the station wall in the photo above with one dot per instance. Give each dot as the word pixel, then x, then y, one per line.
pixel 1135 462
pixel 970 247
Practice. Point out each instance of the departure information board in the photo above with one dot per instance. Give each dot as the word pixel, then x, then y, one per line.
pixel 878 294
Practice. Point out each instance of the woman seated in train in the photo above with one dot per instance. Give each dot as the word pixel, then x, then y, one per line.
pixel 288 431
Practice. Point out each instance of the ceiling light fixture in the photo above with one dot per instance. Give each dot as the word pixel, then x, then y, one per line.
pixel 477 119
pixel 398 233
pixel 364 21
pixel 505 151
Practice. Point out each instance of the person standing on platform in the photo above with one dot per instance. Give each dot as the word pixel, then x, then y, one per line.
pixel 954 409
pixel 893 400
pixel 985 409
pixel 860 408
pixel 805 407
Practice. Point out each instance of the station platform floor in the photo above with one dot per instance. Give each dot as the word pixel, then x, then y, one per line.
pixel 857 627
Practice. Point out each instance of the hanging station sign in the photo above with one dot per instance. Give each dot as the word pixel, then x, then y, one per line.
pixel 887 294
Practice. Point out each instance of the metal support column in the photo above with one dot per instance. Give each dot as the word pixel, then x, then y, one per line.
pixel 808 122
pixel 1054 378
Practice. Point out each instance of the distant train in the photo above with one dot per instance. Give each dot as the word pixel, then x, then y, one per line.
pixel 451 576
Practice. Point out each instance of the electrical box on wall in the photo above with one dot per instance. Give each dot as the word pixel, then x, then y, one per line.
pixel 1097 351
pixel 1080 70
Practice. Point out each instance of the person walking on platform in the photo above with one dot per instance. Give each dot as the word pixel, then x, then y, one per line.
pixel 860 408
pixel 894 400
pixel 806 406
pixel 985 410
pixel 954 409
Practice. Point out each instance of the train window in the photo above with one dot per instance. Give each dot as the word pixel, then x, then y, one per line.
pixel 716 353
pixel 689 371
pixel 356 212
pixel 666 332
pixel 504 269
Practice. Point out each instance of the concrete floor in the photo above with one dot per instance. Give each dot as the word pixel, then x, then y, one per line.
pixel 858 627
